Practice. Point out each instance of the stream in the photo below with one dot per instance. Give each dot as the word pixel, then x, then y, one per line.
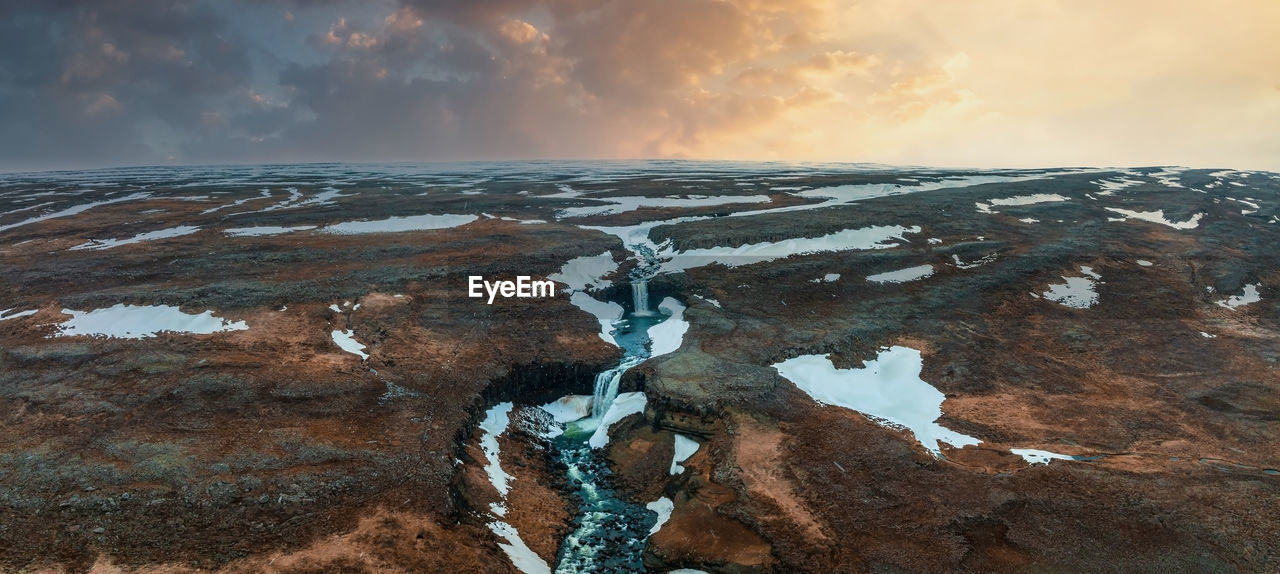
pixel 609 533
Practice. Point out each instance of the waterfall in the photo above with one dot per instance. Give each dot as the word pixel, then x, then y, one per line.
pixel 606 388
pixel 605 391
pixel 595 544
pixel 640 298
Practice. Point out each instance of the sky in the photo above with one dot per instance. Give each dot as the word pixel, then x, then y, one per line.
pixel 972 83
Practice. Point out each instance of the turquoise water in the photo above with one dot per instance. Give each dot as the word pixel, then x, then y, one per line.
pixel 609 533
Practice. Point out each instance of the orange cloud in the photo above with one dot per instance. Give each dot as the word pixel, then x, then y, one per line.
pixel 824 65
pixel 983 82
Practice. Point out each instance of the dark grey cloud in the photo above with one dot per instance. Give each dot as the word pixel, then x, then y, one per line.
pixel 154 81
pixel 91 82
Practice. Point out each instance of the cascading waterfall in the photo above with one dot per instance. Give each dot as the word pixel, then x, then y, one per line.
pixel 640 298
pixel 609 533
pixel 605 391
pixel 606 388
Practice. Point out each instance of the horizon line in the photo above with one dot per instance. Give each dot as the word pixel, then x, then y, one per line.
pixel 798 163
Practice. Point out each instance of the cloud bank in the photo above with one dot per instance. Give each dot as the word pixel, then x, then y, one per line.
pixel 983 83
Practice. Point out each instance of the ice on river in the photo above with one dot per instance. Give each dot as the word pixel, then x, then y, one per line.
pixel 667 336
pixel 606 312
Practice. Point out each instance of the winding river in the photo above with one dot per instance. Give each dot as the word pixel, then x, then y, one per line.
pixel 609 533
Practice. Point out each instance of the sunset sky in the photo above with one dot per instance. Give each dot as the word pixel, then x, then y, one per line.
pixel 984 83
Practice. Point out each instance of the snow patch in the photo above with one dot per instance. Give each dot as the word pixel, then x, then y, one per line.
pixel 569 408
pixel 5 316
pixel 521 556
pixel 265 194
pixel 1018 200
pixel 346 340
pixel 1156 216
pixel 685 447
pixel 1110 186
pixel 140 321
pixel 325 197
pixel 623 405
pixel 586 272
pixel 1167 175
pixel 494 424
pixel 1034 456
pixel 873 237
pixel 615 205
pixel 709 300
pixel 887 389
pixel 264 230
pixel 1250 295
pixel 400 224
pixel 148 236
pixel 663 507
pixel 75 210
pixel 1076 292
pixel 980 262
pixel 1249 202
pixel 902 275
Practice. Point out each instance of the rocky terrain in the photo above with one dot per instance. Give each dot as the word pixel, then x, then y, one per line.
pixel 279 369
